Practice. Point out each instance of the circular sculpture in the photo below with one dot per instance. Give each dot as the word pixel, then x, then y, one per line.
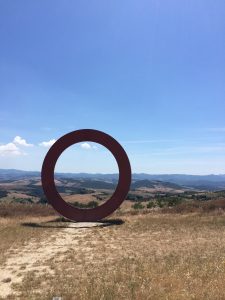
pixel 48 183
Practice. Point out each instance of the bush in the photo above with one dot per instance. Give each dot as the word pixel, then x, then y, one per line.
pixel 92 204
pixel 133 197
pixel 23 200
pixel 151 204
pixel 160 203
pixel 172 201
pixel 43 200
pixel 138 206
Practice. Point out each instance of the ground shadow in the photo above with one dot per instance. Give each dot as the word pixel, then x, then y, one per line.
pixel 62 222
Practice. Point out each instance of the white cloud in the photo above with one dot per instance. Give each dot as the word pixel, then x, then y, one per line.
pixel 86 146
pixel 47 144
pixel 10 149
pixel 22 142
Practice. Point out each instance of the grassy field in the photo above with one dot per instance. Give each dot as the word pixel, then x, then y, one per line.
pixel 155 255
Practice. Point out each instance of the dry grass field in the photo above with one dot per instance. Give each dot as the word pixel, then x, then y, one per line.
pixel 139 256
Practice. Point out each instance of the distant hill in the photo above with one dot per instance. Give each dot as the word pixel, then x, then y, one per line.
pixel 154 184
pixel 142 183
pixel 12 174
pixel 95 184
pixel 200 182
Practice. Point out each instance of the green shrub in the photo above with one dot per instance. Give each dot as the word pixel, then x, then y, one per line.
pixel 23 200
pixel 172 201
pixel 133 197
pixel 151 204
pixel 43 200
pixel 138 206
pixel 160 203
pixel 92 204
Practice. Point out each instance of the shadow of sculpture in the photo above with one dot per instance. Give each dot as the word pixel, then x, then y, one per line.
pixel 61 222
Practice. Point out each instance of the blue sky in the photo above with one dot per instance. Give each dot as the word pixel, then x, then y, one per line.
pixel 149 73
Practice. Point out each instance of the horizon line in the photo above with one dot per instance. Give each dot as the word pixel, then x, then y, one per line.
pixel 134 173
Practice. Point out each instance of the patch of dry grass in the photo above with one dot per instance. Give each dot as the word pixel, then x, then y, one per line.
pixel 216 206
pixel 12 234
pixel 17 210
pixel 151 256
